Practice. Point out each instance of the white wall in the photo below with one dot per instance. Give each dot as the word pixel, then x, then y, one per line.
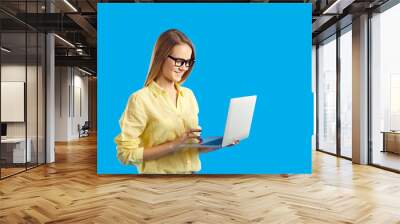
pixel 80 105
pixel 62 81
pixel 12 73
pixel 33 127
pixel 71 102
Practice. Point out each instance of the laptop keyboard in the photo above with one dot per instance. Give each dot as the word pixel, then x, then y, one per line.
pixel 217 141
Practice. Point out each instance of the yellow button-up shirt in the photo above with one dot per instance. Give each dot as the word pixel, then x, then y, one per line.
pixel 151 118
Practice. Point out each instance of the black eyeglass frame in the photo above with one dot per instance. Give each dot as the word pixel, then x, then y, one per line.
pixel 179 62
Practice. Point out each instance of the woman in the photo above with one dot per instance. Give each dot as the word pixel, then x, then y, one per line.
pixel 162 117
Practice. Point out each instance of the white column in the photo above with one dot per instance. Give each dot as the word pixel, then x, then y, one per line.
pixel 50 110
pixel 50 92
pixel 360 90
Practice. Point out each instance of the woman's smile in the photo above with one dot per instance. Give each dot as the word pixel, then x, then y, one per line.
pixel 179 73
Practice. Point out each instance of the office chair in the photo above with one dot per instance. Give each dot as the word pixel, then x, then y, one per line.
pixel 84 130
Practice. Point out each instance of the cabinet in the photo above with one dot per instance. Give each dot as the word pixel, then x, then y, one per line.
pixel 391 141
pixel 13 150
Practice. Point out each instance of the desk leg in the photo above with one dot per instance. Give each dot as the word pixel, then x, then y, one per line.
pixel 384 142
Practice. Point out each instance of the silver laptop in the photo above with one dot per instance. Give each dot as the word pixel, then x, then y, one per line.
pixel 238 123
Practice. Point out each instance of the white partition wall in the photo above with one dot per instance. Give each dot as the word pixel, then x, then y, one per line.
pixel 71 102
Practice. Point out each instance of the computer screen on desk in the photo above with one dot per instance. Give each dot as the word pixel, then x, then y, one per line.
pixel 3 129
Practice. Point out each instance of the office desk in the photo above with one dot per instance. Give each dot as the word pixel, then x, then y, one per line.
pixel 13 150
pixel 391 141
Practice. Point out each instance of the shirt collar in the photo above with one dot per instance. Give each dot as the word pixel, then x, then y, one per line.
pixel 155 88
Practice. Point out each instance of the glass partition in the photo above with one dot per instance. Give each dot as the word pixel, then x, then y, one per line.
pixel 13 105
pixel 327 95
pixel 22 88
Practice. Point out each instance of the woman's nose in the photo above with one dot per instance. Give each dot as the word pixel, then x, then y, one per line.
pixel 182 68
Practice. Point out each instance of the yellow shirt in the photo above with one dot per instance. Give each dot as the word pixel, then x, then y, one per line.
pixel 151 118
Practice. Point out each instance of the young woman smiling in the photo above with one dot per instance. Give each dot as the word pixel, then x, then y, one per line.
pixel 162 117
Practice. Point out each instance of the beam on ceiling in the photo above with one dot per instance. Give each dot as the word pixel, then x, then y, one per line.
pixel 83 61
pixel 84 24
pixel 338 6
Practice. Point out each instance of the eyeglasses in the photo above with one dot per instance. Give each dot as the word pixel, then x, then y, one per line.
pixel 179 62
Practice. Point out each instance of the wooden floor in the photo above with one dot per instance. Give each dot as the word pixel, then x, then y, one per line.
pixel 387 159
pixel 69 191
pixel 5 172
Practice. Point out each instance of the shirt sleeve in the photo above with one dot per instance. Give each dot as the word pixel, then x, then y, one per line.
pixel 196 114
pixel 195 107
pixel 132 123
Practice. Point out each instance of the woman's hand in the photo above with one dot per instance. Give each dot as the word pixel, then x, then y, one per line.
pixel 213 149
pixel 159 151
pixel 188 137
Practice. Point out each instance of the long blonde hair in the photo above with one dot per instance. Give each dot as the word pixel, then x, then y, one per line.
pixel 162 49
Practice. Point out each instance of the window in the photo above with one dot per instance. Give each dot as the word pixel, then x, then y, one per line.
pixel 385 88
pixel 327 95
pixel 346 74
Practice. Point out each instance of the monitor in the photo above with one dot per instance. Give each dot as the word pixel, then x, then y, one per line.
pixel 3 129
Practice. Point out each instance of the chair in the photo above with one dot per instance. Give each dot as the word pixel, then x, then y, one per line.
pixel 84 130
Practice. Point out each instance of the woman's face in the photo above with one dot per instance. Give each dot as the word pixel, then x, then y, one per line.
pixel 170 71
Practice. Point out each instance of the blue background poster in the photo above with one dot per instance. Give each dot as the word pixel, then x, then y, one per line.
pixel 241 49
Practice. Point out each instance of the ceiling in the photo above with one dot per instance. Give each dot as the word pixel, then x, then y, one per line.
pixel 74 21
pixel 332 15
